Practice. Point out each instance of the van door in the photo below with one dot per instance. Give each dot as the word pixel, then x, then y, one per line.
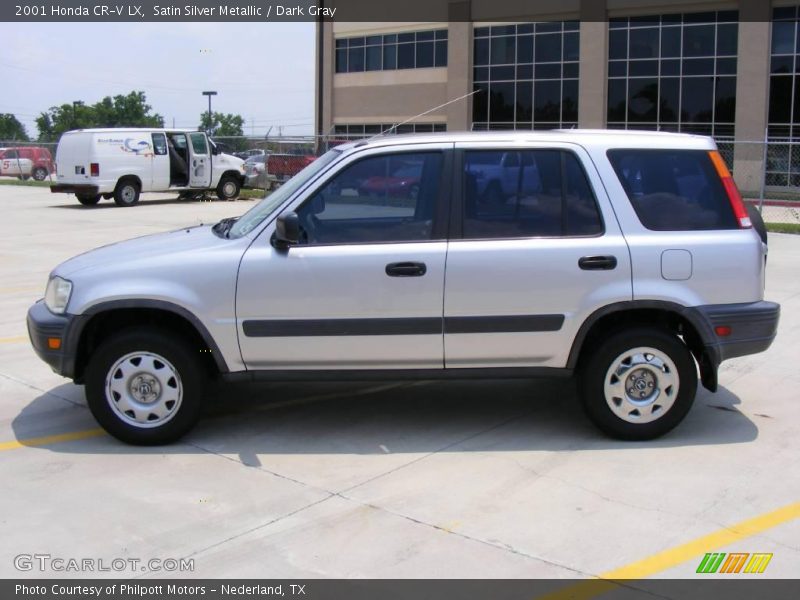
pixel 199 161
pixel 160 171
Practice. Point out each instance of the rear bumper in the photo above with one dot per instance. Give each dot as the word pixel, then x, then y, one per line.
pixel 75 188
pixel 753 327
pixel 43 325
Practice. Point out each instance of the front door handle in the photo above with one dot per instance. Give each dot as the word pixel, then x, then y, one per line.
pixel 598 263
pixel 406 269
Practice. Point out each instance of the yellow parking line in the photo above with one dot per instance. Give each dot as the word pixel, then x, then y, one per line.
pixel 17 339
pixel 52 439
pixel 672 557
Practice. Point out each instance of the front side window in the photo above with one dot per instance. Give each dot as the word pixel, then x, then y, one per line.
pixel 674 190
pixel 388 198
pixel 527 193
pixel 199 145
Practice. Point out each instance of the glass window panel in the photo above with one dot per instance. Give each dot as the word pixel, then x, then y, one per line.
pixel 424 36
pixel 727 16
pixel 524 101
pixel 501 101
pixel 644 43
pixel 725 105
pixel 571 70
pixel 549 27
pixel 548 71
pixel 390 57
pixel 698 17
pixel 618 44
pixel 796 112
pixel 355 59
pixel 697 99
pixel 341 60
pixel 501 73
pixel 671 42
pixel 424 55
pixel 525 72
pixel 618 68
pixel 525 49
pixel 643 100
pixel 783 37
pixel 480 102
pixel 504 30
pixel 441 54
pixel 390 39
pixel 698 66
pixel 672 19
pixel 669 99
pixel 524 28
pixel 341 43
pixel 405 37
pixel 481 32
pixel 782 64
pixel 780 98
pixel 670 67
pixel 547 101
pixel 726 66
pixel 481 74
pixel 617 22
pixel 503 50
pixel 572 25
pixel 355 41
pixel 441 34
pixel 374 58
pixel 645 21
pixel 617 99
pixel 784 12
pixel 643 68
pixel 374 40
pixel 405 56
pixel 727 40
pixel 569 101
pixel 548 48
pixel 698 40
pixel 571 46
pixel 481 51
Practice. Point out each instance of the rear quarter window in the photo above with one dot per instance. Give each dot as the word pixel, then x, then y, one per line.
pixel 673 190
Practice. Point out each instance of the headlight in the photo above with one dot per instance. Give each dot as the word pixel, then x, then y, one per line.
pixel 57 295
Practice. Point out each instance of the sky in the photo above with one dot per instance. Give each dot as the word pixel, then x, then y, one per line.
pixel 262 71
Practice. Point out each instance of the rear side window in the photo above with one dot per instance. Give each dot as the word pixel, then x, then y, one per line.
pixel 159 143
pixel 674 190
pixel 527 193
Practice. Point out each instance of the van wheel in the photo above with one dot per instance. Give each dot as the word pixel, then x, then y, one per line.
pixel 228 188
pixel 638 384
pixel 145 387
pixel 88 200
pixel 40 174
pixel 126 193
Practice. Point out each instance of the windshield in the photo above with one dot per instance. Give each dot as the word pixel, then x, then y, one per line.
pixel 256 215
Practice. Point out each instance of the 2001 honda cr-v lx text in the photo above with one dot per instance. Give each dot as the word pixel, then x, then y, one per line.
pixel 627 259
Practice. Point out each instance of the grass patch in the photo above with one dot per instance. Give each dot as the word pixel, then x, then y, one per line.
pixel 28 183
pixel 784 227
pixel 252 194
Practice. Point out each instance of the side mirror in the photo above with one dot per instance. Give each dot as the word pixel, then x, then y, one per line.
pixel 214 149
pixel 287 230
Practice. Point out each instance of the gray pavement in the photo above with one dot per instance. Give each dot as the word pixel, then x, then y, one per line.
pixel 427 479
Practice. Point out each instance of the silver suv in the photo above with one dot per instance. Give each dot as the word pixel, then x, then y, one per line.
pixel 627 259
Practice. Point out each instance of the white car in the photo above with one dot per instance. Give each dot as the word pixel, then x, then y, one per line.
pixel 16 167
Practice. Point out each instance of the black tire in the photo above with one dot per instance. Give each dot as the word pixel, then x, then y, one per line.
pixel 596 372
pixel 88 200
pixel 176 357
pixel 126 193
pixel 40 173
pixel 758 222
pixel 228 188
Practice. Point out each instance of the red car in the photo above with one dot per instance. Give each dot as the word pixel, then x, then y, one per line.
pixel 404 183
pixel 286 166
pixel 40 157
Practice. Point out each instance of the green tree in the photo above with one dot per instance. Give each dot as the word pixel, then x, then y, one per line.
pixel 227 128
pixel 12 129
pixel 129 110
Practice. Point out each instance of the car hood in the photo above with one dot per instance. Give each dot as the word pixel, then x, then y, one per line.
pixel 144 250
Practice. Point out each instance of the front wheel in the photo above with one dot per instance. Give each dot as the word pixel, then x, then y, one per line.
pixel 228 188
pixel 145 387
pixel 638 384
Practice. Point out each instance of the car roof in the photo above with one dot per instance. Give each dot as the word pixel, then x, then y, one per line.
pixel 136 129
pixel 609 138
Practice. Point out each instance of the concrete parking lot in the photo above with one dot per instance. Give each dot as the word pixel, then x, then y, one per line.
pixel 490 479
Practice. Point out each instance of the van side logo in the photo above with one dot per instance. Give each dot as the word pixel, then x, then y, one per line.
pixel 716 562
pixel 141 147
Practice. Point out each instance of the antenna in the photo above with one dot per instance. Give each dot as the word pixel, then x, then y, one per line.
pixel 422 114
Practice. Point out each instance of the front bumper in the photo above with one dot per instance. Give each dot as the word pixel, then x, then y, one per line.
pixel 753 326
pixel 43 325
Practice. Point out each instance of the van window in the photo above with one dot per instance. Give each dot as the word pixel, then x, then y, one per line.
pixel 673 190
pixel 199 145
pixel 388 198
pixel 527 193
pixel 159 143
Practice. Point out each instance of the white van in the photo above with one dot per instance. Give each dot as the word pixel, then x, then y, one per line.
pixel 122 163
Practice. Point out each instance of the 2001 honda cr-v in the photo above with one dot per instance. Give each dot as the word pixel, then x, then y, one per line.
pixel 626 258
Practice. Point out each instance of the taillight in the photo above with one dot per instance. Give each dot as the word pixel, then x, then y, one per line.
pixel 735 198
pixel 94 169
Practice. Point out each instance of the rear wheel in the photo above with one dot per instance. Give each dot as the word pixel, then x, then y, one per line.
pixel 228 188
pixel 126 193
pixel 145 387
pixel 40 173
pixel 88 199
pixel 638 384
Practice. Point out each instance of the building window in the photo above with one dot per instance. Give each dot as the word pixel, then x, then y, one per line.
pixel 407 50
pixel 783 154
pixel 526 76
pixel 369 130
pixel 674 73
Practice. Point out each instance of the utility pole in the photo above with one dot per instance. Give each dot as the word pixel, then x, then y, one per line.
pixel 209 94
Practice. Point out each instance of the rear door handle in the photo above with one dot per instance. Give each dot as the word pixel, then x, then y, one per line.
pixel 406 269
pixel 598 263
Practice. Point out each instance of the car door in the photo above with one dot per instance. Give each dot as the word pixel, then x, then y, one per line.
pixel 526 268
pixel 364 287
pixel 199 161
pixel 160 171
